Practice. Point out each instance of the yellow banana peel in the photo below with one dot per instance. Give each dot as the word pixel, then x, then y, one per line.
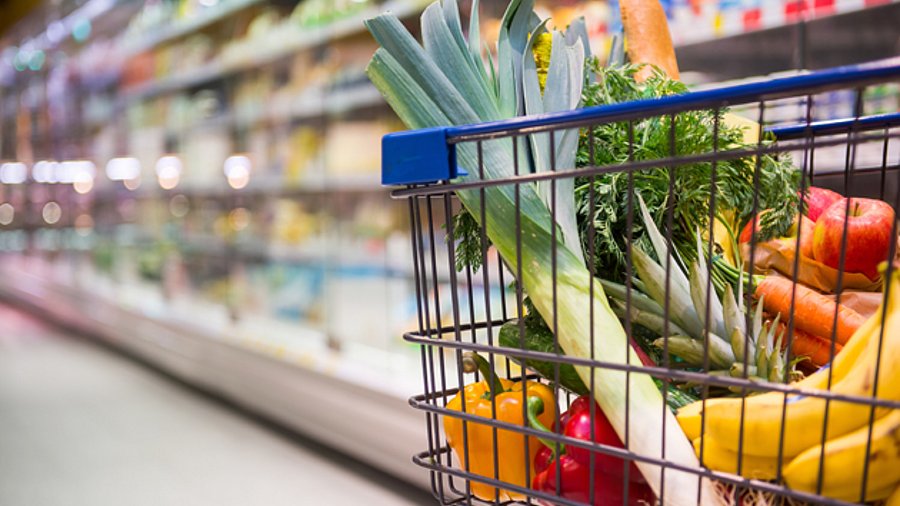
pixel 721 459
pixel 894 498
pixel 843 460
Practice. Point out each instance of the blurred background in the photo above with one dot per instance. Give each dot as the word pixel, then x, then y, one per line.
pixel 196 183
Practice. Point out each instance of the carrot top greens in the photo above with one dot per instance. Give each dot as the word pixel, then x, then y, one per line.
pixel 694 134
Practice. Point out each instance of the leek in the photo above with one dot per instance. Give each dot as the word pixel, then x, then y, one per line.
pixel 447 82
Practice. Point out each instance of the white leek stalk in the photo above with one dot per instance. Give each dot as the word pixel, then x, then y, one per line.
pixel 448 83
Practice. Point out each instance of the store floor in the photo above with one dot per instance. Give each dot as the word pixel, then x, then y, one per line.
pixel 83 425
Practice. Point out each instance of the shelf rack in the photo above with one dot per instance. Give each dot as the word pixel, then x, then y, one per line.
pixel 841 39
pixel 160 35
pixel 218 69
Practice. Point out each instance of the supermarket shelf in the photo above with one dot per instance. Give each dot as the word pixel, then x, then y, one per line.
pixel 320 184
pixel 340 386
pixel 339 102
pixel 294 255
pixel 301 41
pixel 276 186
pixel 864 35
pixel 196 77
pixel 259 187
pixel 309 104
pixel 163 34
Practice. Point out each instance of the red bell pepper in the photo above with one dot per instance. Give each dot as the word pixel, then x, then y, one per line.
pixel 574 463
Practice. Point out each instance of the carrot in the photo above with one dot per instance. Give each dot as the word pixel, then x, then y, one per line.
pixel 647 37
pixel 804 344
pixel 817 349
pixel 813 312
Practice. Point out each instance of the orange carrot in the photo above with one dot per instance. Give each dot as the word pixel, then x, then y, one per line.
pixel 647 37
pixel 813 312
pixel 817 349
pixel 804 344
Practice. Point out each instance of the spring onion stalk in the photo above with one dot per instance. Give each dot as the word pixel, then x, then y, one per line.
pixel 638 300
pixel 448 82
pixel 692 350
pixel 652 321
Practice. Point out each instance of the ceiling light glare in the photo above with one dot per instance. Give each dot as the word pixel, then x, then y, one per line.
pixel 84 186
pixel 237 171
pixel 179 206
pixel 168 166
pixel 123 169
pixel 132 184
pixel 75 171
pixel 7 213
pixel 168 171
pixel 13 173
pixel 44 171
pixel 51 212
pixel 56 31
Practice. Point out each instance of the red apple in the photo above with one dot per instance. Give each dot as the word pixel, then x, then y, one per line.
pixel 869 226
pixel 790 238
pixel 747 231
pixel 807 227
pixel 818 199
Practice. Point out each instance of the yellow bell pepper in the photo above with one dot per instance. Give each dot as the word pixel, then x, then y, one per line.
pixel 480 398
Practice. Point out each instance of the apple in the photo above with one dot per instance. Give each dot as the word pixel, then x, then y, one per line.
pixel 818 199
pixel 747 231
pixel 868 229
pixel 806 227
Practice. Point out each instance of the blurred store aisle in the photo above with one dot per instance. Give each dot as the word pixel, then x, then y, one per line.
pixel 80 425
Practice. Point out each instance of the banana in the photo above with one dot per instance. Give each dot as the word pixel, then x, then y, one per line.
pixel 689 416
pixel 845 459
pixel 894 499
pixel 804 416
pixel 721 459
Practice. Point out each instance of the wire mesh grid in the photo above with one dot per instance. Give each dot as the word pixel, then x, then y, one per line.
pixel 466 291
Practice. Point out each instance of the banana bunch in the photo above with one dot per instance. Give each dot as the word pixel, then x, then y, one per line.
pixel 804 424
pixel 732 348
pixel 894 499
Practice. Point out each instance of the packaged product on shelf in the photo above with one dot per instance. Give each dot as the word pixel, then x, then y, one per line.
pixel 365 157
pixel 305 157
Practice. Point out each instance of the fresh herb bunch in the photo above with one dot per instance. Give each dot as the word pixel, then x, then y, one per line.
pixel 694 133
pixel 467 235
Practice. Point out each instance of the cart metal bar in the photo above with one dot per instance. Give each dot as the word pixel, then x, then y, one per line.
pixel 825 80
pixel 835 127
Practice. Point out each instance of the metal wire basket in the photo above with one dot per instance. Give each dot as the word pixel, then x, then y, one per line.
pixel 461 309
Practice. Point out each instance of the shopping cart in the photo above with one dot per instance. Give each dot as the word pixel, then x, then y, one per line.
pixel 461 308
